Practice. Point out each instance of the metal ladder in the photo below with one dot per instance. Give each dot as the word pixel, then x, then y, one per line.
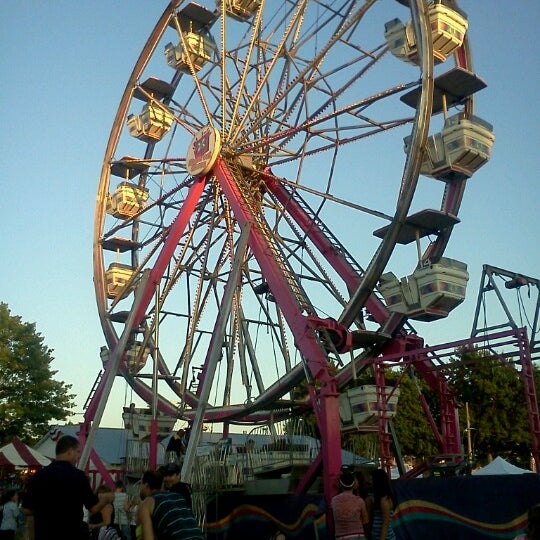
pixel 527 376
pixel 245 188
pixel 94 389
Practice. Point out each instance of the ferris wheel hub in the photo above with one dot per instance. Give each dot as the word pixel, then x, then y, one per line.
pixel 203 151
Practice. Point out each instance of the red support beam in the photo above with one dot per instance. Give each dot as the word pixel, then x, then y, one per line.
pixel 174 234
pixel 326 401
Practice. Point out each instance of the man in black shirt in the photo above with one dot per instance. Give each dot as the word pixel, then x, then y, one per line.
pixel 56 495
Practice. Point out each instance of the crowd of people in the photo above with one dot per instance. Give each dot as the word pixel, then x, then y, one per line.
pixel 59 504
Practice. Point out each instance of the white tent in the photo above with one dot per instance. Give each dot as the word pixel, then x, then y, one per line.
pixel 18 454
pixel 499 466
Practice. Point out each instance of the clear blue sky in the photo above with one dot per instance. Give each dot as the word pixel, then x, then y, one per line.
pixel 64 65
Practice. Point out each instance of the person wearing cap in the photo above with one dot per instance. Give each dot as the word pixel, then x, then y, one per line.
pixel 349 510
pixel 164 515
pixel 172 482
pixel 177 444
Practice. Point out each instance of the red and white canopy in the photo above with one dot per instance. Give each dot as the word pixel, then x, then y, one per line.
pixel 18 454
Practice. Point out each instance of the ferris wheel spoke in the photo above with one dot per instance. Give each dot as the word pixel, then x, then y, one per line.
pixel 318 125
pixel 241 86
pixel 280 49
pixel 201 94
pixel 250 349
pixel 302 76
pixel 223 68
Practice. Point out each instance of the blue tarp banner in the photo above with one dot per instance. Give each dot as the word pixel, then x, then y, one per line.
pixel 233 516
pixel 454 508
pixel 464 507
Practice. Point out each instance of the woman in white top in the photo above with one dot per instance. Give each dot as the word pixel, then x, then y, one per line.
pixel 121 506
pixel 10 515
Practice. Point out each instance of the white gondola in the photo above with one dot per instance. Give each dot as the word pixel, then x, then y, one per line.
pixel 241 10
pixel 359 406
pixel 198 50
pixel 127 200
pixel 401 41
pixel 138 422
pixel 136 357
pixel 117 276
pixel 151 124
pixel 459 150
pixel 430 293
pixel 467 141
pixel 448 29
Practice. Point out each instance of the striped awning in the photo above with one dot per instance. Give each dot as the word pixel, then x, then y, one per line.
pixel 18 454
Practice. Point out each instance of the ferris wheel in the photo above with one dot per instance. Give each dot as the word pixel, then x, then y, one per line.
pixel 269 164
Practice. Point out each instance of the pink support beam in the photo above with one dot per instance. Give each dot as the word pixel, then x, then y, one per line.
pixel 326 403
pixel 309 477
pixel 174 235
pixel 102 469
pixel 450 434
pixel 264 253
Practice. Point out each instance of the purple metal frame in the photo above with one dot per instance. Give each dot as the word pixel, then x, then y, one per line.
pixel 434 361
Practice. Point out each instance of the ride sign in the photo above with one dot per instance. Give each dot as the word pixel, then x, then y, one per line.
pixel 203 151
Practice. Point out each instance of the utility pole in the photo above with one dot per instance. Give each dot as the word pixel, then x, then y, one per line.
pixel 469 442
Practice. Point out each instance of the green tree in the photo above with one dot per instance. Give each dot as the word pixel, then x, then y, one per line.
pixel 497 408
pixel 413 431
pixel 30 398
